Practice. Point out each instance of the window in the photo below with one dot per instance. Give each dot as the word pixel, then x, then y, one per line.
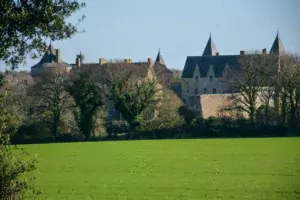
pixel 187 83
pixel 205 91
pixel 196 91
pixel 214 91
pixel 210 77
pixel 187 91
pixel 197 78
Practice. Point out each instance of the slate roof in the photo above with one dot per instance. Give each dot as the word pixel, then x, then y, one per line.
pixel 210 49
pixel 49 55
pixel 277 46
pixel 49 59
pixel 159 59
pixel 218 62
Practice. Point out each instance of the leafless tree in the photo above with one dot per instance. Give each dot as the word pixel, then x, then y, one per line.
pixel 252 76
pixel 290 86
pixel 51 100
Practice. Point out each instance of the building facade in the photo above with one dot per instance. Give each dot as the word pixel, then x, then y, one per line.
pixel 207 74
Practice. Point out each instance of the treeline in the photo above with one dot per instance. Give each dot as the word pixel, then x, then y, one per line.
pixel 76 106
pixel 265 102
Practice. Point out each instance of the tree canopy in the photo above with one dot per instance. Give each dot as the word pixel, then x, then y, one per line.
pixel 132 99
pixel 25 25
pixel 88 98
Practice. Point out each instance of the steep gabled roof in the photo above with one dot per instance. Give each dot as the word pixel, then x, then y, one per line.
pixel 277 46
pixel 210 49
pixel 204 62
pixel 49 55
pixel 159 59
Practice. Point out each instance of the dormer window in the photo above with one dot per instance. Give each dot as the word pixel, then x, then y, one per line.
pixel 210 77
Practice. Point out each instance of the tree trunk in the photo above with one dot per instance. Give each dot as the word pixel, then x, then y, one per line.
pixel 267 114
pixel 293 111
pixel 252 112
pixel 283 109
pixel 55 126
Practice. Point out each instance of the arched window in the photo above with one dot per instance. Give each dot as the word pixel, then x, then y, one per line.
pixel 197 78
pixel 210 77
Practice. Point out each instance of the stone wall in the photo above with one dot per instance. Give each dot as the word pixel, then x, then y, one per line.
pixel 214 105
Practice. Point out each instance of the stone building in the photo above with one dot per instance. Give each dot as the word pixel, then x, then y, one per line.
pixel 50 64
pixel 206 75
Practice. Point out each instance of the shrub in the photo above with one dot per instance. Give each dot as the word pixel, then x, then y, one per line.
pixel 15 179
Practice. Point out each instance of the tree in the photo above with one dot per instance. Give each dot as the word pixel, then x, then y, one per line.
pixel 13 164
pixel 18 101
pixel 88 98
pixel 52 101
pixel 167 113
pixel 267 94
pixel 290 86
pixel 188 114
pixel 1 79
pixel 249 79
pixel 26 24
pixel 132 98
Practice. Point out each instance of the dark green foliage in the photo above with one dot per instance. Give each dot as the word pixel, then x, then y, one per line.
pixel 1 80
pixel 132 99
pixel 187 114
pixel 88 99
pixel 24 26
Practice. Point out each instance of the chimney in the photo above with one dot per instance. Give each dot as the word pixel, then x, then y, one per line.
pixel 127 60
pixel 242 53
pixel 58 59
pixel 217 54
pixel 102 61
pixel 264 51
pixel 149 61
pixel 78 62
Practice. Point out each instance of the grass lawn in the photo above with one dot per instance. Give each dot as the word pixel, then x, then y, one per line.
pixel 171 169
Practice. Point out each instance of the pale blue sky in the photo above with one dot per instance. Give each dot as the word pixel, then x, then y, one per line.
pixel 138 28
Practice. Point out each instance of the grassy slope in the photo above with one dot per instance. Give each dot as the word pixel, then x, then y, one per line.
pixel 171 169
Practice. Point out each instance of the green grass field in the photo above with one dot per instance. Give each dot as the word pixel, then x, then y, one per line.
pixel 171 169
